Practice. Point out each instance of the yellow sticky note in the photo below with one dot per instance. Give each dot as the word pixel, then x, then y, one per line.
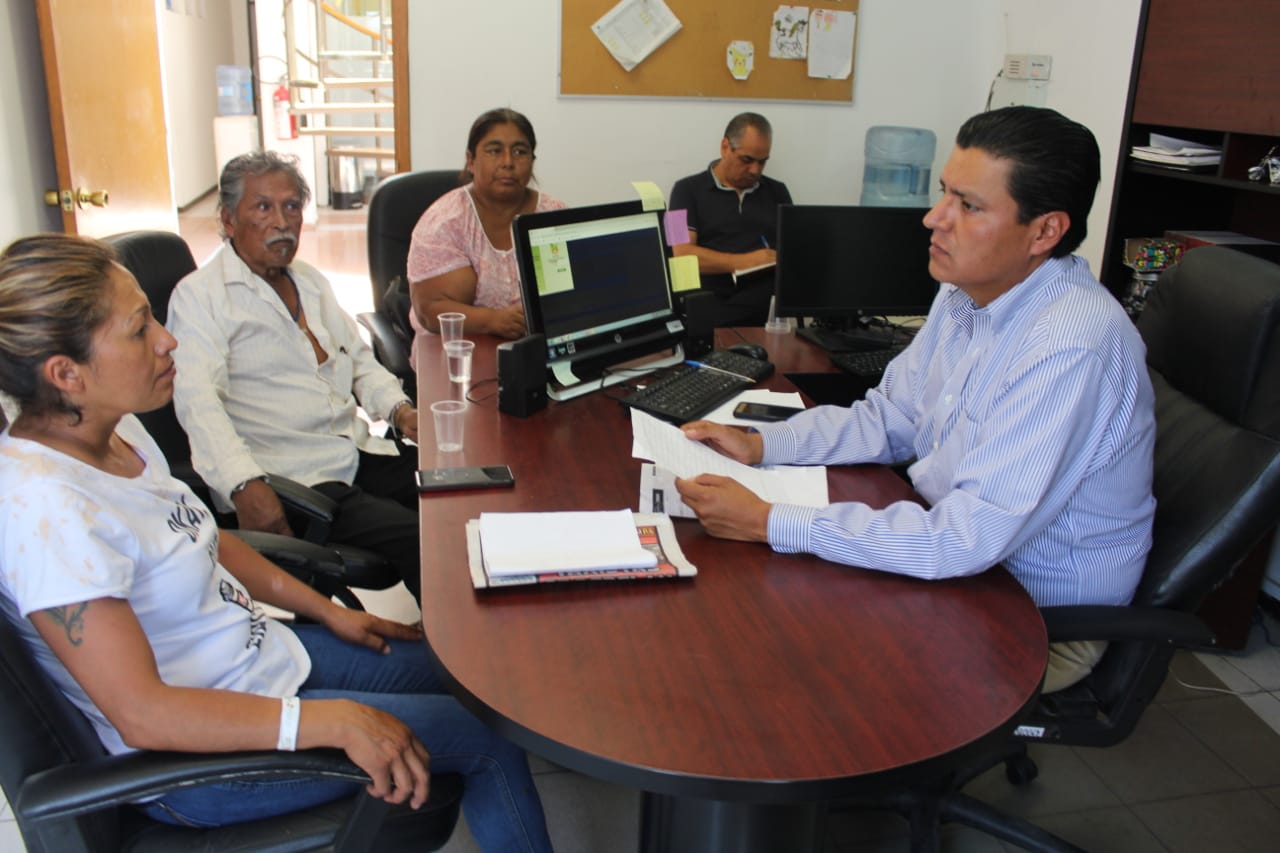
pixel 651 197
pixel 684 273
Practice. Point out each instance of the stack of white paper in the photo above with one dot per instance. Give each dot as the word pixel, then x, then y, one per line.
pixel 531 543
pixel 1171 151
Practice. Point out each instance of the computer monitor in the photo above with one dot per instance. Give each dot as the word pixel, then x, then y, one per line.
pixel 596 284
pixel 841 263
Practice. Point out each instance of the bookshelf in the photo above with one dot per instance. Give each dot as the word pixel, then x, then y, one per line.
pixel 1210 73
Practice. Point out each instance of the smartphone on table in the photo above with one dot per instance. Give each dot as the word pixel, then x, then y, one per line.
pixel 477 477
pixel 763 412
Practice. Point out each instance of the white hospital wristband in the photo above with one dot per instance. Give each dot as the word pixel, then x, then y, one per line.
pixel 290 709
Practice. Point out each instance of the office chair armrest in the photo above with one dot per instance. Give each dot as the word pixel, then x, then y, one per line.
pixel 317 508
pixel 1105 622
pixel 297 556
pixel 388 348
pixel 76 789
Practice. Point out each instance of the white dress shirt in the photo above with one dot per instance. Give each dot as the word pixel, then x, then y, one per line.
pixel 1031 422
pixel 249 392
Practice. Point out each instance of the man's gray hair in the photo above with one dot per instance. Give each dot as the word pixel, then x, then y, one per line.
pixel 256 164
pixel 739 123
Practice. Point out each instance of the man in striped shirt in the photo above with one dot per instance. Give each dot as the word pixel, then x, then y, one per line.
pixel 1024 401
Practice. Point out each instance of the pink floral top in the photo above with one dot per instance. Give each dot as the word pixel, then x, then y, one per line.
pixel 449 236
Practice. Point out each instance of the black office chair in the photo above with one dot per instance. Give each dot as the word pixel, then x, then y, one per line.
pixel 397 204
pixel 69 796
pixel 159 260
pixel 1212 329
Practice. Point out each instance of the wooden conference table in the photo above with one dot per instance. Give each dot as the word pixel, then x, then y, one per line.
pixel 741 699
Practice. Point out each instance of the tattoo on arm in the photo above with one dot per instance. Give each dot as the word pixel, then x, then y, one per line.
pixel 71 618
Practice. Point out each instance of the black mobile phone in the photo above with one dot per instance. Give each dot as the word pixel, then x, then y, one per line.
pixel 763 412
pixel 486 477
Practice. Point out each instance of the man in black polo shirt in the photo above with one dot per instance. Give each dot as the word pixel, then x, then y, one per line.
pixel 733 218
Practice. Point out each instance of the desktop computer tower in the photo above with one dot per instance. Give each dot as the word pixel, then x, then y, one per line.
pixel 522 376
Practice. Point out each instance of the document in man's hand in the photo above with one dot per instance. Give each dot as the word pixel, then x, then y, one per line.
pixel 509 549
pixel 738 275
pixel 670 450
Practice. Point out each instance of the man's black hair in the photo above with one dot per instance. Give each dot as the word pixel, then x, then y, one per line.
pixel 1055 163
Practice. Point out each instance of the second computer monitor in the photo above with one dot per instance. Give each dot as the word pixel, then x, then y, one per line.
pixel 840 262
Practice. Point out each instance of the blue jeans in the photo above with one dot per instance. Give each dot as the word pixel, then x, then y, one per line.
pixel 500 802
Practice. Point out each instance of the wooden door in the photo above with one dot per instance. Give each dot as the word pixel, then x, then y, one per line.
pixel 102 69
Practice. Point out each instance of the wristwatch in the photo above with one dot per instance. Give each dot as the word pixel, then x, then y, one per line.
pixel 391 418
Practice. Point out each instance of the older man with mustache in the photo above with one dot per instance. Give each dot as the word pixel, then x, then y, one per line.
pixel 271 371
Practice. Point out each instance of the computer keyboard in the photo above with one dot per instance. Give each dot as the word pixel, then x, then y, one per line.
pixel 690 391
pixel 865 365
pixel 743 365
pixel 847 340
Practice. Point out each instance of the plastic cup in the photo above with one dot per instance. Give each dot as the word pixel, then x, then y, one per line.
pixel 776 325
pixel 458 354
pixel 451 324
pixel 449 417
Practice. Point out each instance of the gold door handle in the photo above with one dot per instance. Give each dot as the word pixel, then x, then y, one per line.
pixel 68 200
pixel 97 198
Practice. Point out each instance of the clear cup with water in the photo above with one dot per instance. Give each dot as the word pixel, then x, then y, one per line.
pixel 458 355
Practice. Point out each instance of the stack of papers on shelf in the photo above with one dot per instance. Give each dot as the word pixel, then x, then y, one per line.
pixel 510 549
pixel 1178 153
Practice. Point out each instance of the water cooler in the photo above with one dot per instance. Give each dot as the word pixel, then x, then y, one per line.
pixel 898 167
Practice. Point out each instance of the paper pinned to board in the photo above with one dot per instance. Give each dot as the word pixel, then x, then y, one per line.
pixel 740 57
pixel 789 38
pixel 633 29
pixel 831 35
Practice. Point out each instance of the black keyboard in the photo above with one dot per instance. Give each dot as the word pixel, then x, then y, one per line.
pixel 743 365
pixel 847 340
pixel 865 365
pixel 688 392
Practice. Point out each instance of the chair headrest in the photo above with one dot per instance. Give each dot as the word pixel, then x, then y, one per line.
pixel 394 209
pixel 1212 329
pixel 158 260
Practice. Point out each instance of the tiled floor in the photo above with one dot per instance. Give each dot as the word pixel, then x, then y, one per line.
pixel 1201 773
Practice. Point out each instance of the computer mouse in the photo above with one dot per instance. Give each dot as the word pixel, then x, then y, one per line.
pixel 752 350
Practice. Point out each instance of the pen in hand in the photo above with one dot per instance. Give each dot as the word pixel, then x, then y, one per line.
pixel 765 241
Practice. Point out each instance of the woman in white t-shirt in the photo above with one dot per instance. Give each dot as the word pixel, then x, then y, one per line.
pixel 145 614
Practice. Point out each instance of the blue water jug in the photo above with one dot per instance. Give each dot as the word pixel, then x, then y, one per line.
pixel 898 168
pixel 235 90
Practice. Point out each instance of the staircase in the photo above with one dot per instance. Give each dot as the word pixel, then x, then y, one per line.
pixel 340 79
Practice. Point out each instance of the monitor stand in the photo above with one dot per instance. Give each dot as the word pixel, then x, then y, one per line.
pixel 565 385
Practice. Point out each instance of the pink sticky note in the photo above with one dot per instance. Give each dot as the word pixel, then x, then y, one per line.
pixel 677 225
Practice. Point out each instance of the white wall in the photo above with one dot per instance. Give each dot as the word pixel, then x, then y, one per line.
pixel 26 154
pixel 194 40
pixel 1092 43
pixel 921 63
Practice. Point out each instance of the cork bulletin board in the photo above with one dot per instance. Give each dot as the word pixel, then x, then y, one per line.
pixel 692 63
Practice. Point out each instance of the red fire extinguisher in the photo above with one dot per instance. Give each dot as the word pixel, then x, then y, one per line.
pixel 286 122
